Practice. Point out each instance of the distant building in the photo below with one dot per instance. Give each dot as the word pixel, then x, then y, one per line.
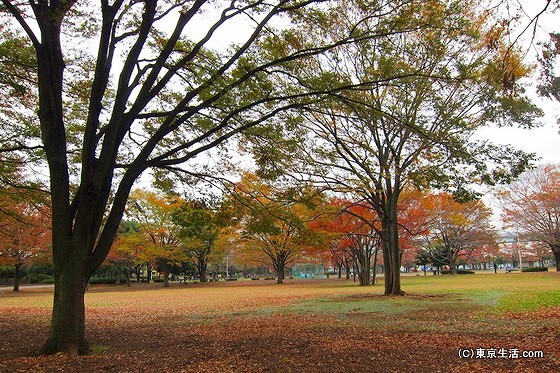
pixel 521 253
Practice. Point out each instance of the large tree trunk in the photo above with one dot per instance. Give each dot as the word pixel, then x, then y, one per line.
pixel 67 333
pixel 391 251
pixel 556 252
pixel 202 270
pixel 280 273
pixel 17 277
pixel 166 276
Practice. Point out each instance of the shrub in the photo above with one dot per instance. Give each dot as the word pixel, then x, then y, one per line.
pixel 459 272
pixel 102 280
pixel 535 269
pixel 40 278
pixel 48 281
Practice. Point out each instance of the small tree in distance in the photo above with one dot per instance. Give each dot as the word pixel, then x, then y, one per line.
pixel 24 235
pixel 455 230
pixel 275 225
pixel 157 234
pixel 531 206
pixel 198 230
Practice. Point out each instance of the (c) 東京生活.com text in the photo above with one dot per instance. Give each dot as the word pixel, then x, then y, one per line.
pixel 499 353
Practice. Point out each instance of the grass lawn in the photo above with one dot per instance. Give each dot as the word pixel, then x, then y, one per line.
pixel 512 321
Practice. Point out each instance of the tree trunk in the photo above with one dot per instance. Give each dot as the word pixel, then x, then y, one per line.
pixel 363 265
pixel 280 273
pixel 388 268
pixel 391 251
pixel 138 270
pixel 17 277
pixel 202 270
pixel 451 260
pixel 374 274
pixel 364 276
pixel 148 272
pixel 556 252
pixel 166 276
pixel 67 333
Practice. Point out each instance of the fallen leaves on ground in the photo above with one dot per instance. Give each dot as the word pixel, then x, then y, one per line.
pixel 223 329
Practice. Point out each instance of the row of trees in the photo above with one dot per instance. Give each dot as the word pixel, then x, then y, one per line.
pixel 266 225
pixel 166 231
pixel 259 225
pixel 531 208
pixel 24 233
pixel 366 99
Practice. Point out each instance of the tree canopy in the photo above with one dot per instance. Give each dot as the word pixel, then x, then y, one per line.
pixel 443 71
pixel 531 207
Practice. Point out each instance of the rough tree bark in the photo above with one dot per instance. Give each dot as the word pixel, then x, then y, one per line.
pixel 279 268
pixel 67 332
pixel 391 251
pixel 17 277
pixel 556 252
pixel 202 266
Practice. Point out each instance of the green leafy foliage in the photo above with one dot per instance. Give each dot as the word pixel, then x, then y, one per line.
pixel 535 269
pixel 440 71
pixel 274 221
pixel 198 230
pixel 550 81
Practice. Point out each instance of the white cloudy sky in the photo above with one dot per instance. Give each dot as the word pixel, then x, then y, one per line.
pixel 544 140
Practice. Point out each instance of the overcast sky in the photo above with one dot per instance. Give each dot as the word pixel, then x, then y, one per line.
pixel 545 140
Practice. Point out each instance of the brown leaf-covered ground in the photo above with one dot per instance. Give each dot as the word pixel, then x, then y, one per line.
pixel 311 326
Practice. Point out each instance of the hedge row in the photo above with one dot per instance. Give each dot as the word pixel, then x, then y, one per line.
pixel 40 278
pixel 535 269
pixel 102 281
pixel 459 272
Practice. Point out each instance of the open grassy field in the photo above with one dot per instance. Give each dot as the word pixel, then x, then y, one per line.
pixel 511 321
